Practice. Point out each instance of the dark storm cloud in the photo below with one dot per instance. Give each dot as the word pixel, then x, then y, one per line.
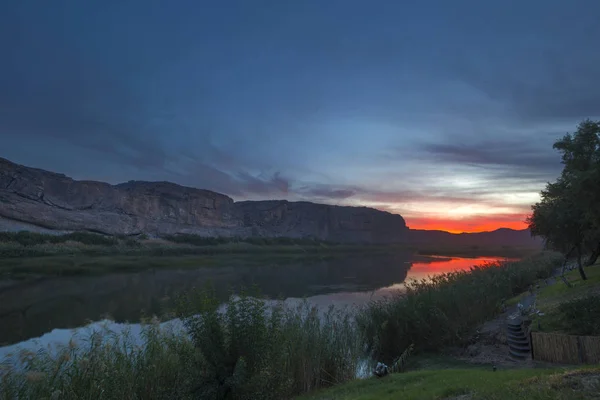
pixel 541 65
pixel 518 158
pixel 300 99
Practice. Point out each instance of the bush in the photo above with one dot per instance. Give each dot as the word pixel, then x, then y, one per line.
pixel 26 238
pixel 197 240
pixel 252 351
pixel 445 310
pixel 581 316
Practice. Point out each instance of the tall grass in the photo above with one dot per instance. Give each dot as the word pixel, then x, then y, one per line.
pixel 445 309
pixel 247 351
pixel 105 365
pixel 255 351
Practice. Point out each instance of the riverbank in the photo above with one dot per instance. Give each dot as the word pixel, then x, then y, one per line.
pixel 256 352
pixel 29 255
pixel 554 308
pixel 473 384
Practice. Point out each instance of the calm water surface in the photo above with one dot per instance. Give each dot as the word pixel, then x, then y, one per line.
pixel 47 310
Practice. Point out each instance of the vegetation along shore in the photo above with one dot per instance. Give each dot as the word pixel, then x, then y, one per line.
pixel 28 254
pixel 253 351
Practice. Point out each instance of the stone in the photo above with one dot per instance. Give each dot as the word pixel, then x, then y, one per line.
pixel 381 370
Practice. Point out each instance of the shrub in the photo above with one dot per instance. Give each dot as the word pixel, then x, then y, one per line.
pixel 26 238
pixel 581 316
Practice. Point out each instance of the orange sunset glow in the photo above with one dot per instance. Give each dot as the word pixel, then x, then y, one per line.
pixel 476 224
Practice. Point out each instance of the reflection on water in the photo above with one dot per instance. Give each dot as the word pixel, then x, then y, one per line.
pixel 30 310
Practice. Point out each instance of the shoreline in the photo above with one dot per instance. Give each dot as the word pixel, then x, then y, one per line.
pixel 29 255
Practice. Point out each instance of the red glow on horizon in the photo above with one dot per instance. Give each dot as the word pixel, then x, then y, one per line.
pixel 477 224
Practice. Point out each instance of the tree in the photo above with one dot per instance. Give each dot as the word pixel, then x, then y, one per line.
pixel 558 220
pixel 568 215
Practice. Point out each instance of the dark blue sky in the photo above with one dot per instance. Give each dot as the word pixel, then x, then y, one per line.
pixel 438 110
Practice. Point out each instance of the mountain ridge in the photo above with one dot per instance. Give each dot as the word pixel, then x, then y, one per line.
pixel 41 200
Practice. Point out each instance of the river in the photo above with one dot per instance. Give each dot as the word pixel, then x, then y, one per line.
pixel 46 311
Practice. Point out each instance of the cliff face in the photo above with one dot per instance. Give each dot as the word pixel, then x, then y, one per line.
pixel 57 202
pixel 343 224
pixel 36 199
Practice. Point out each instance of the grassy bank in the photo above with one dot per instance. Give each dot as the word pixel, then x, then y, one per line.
pixel 472 384
pixel 81 264
pixel 445 310
pixel 572 310
pixel 27 254
pixel 30 244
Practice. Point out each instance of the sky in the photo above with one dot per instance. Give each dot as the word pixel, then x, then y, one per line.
pixel 442 111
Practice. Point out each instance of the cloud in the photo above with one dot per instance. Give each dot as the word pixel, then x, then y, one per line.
pixel 325 192
pixel 465 110
pixel 273 185
pixel 508 160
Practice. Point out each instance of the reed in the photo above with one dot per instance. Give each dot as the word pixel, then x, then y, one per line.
pixel 445 309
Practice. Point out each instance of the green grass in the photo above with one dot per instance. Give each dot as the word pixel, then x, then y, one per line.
pixel 566 309
pixel 558 292
pixel 472 384
pixel 517 299
pixel 445 310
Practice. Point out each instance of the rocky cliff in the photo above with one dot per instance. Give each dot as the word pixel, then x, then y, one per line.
pixel 35 199
pixel 299 219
